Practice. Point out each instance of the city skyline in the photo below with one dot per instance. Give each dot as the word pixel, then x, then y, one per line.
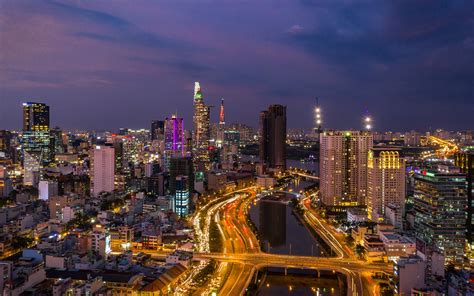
pixel 130 63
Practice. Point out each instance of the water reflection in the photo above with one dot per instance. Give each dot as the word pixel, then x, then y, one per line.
pixel 272 221
pixel 279 229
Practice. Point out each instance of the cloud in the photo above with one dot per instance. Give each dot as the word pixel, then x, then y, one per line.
pixel 295 29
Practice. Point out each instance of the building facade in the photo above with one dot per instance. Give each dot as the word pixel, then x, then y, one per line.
pixel 343 167
pixel 439 201
pixel 273 137
pixel 102 169
pixel 201 130
pixel 385 181
pixel 175 145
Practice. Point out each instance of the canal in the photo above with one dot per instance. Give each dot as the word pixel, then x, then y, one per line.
pixel 281 232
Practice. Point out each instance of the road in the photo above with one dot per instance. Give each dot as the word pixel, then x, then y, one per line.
pixel 241 254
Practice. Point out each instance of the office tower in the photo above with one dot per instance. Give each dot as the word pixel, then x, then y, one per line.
pixel 102 169
pixel 5 142
pixel 57 144
pixel 35 117
pixel 157 130
pixel 31 166
pixel 385 181
pixel 36 136
pixel 465 161
pixel 181 166
pixel 273 137
pixel 202 130
pixel 440 218
pixel 343 167
pixel 174 139
pixel 181 197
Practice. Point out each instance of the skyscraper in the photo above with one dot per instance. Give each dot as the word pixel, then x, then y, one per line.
pixel 202 130
pixel 157 130
pixel 439 200
pixel 465 160
pixel 181 166
pixel 35 117
pixel 221 127
pixel 175 145
pixel 181 197
pixel 343 167
pixel 273 137
pixel 36 137
pixel 103 169
pixel 385 181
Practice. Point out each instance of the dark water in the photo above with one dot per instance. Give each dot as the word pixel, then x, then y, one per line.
pixel 277 283
pixel 280 230
pixel 312 166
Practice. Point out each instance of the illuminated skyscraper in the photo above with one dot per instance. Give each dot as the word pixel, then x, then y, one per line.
pixel 221 113
pixel 273 137
pixel 36 137
pixel 465 160
pixel 175 145
pixel 343 167
pixel 35 117
pixel 202 130
pixel 385 181
pixel 181 200
pixel 221 127
pixel 102 169
pixel 439 200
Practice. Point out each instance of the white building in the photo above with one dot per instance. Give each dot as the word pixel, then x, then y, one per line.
pixel 343 167
pixel 409 273
pixel 47 189
pixel 103 169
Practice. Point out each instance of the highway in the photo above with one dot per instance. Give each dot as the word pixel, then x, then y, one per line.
pixel 241 255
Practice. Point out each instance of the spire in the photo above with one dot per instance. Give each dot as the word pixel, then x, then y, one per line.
pixel 221 114
pixel 197 91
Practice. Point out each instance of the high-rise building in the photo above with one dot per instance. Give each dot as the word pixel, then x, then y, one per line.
pixel 175 145
pixel 181 166
pixel 202 130
pixel 273 137
pixel 343 167
pixel 5 142
pixel 31 165
pixel 440 218
pixel 221 127
pixel 102 169
pixel 181 197
pixel 385 181
pixel 35 117
pixel 36 137
pixel 157 130
pixel 465 161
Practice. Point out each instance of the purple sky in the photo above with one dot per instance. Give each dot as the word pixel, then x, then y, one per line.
pixel 108 64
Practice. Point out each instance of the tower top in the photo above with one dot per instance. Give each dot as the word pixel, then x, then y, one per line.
pixel 197 91
pixel 222 114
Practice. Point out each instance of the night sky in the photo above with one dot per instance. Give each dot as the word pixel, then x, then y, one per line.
pixel 107 64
